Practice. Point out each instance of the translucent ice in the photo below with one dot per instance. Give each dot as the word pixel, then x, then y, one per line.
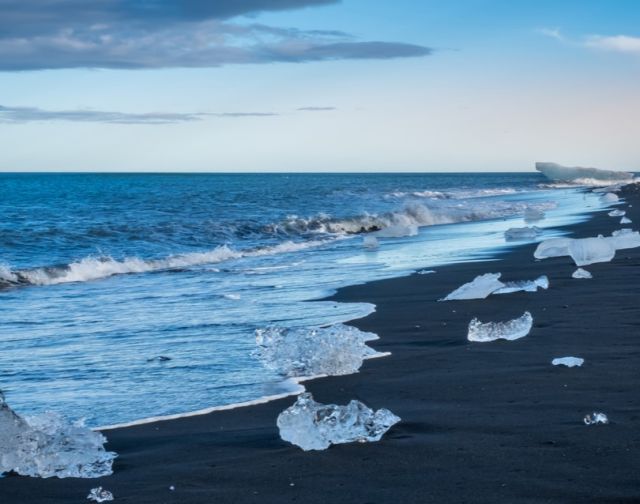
pixel 100 495
pixel 370 242
pixel 596 418
pixel 587 251
pixel 624 239
pixel 524 285
pixel 491 331
pixel 610 198
pixel 625 220
pixel 46 445
pixel 314 426
pixel 555 247
pixel 523 233
pixel 581 273
pixel 335 350
pixel 616 213
pixel 479 288
pixel 533 214
pixel 568 361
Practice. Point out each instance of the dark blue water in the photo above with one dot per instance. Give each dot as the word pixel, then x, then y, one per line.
pixel 100 273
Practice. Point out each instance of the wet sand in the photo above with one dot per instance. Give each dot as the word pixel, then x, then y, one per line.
pixel 485 423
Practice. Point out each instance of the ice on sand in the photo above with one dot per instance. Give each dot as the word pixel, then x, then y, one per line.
pixel 596 418
pixel 100 495
pixel 610 198
pixel 625 220
pixel 533 214
pixel 314 426
pixel 624 239
pixel 491 331
pixel 523 233
pixel 585 251
pixel 581 273
pixel 568 361
pixel 370 242
pixel 46 445
pixel 541 282
pixel 479 288
pixel 554 247
pixel 335 350
pixel 616 213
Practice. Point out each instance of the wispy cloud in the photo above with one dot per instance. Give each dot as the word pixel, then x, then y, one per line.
pixel 17 115
pixel 316 109
pixel 612 43
pixel 129 34
pixel 551 33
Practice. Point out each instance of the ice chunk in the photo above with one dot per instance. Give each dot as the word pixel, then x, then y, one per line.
pixel 616 213
pixel 625 220
pixel 426 272
pixel 555 247
pixel 100 495
pixel 479 288
pixel 596 418
pixel 335 350
pixel 624 239
pixel 533 214
pixel 398 231
pixel 577 174
pixel 581 273
pixel 46 445
pixel 610 198
pixel 370 242
pixel 491 331
pixel 568 361
pixel 523 233
pixel 524 285
pixel 587 251
pixel 314 426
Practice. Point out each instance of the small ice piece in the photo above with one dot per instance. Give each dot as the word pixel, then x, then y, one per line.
pixel 524 285
pixel 314 426
pixel 625 220
pixel 335 350
pixel 398 231
pixel 479 288
pixel 523 233
pixel 616 213
pixel 610 198
pixel 491 331
pixel 596 418
pixel 370 242
pixel 624 239
pixel 46 445
pixel 554 247
pixel 585 251
pixel 232 296
pixel 100 495
pixel 533 214
pixel 426 272
pixel 581 273
pixel 568 361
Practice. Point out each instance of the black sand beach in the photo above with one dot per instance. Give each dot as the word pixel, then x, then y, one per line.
pixel 485 423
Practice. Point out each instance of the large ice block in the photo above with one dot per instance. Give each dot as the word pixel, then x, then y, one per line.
pixel 554 247
pixel 491 331
pixel 479 288
pixel 610 198
pixel 335 350
pixel 585 251
pixel 541 282
pixel 46 445
pixel 624 239
pixel 314 426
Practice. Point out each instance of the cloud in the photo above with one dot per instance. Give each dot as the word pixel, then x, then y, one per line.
pixel 553 33
pixel 16 115
pixel 316 109
pixel 137 34
pixel 617 43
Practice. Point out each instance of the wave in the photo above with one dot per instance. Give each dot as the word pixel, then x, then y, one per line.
pixel 95 268
pixel 457 194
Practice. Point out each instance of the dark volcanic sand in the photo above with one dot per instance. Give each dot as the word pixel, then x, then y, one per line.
pixel 492 422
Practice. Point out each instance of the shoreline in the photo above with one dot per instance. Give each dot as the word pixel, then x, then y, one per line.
pixel 470 412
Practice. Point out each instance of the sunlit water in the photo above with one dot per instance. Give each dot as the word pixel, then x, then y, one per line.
pixel 100 274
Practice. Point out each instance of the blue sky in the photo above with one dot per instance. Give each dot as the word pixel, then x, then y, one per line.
pixel 318 85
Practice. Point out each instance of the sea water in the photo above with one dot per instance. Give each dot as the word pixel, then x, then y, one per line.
pixel 125 296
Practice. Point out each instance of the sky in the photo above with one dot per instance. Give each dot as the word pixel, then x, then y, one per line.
pixel 318 85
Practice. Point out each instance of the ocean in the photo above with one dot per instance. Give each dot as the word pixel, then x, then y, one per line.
pixel 127 296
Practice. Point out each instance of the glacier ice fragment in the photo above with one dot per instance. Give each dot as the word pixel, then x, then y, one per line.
pixel 616 213
pixel 568 361
pixel 596 418
pixel 624 239
pixel 46 445
pixel 479 288
pixel 533 214
pixel 335 350
pixel 625 220
pixel 585 251
pixel 581 273
pixel 610 198
pixel 578 174
pixel 554 247
pixel 426 272
pixel 100 495
pixel 524 285
pixel 491 331
pixel 314 426
pixel 523 233
pixel 370 242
